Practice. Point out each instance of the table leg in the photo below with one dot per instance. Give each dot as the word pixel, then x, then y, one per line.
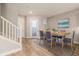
pixel 62 42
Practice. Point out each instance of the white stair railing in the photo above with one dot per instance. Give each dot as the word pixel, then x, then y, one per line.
pixel 10 30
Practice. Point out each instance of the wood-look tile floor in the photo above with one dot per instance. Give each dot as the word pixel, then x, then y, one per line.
pixel 31 47
pixel 57 50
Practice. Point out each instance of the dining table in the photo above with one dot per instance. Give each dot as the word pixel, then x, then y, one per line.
pixel 60 35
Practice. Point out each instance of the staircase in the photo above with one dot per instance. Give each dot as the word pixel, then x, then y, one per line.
pixel 10 37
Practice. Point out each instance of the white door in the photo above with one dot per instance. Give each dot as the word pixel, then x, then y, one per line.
pixel 21 24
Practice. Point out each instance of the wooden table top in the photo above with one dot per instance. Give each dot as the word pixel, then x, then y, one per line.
pixel 60 33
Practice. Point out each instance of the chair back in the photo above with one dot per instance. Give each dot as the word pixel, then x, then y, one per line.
pixel 71 36
pixel 48 35
pixel 41 33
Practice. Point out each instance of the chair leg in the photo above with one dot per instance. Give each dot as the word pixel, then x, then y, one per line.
pixel 51 43
pixel 71 45
pixel 54 44
pixel 46 44
pixel 39 42
pixel 62 44
pixel 73 51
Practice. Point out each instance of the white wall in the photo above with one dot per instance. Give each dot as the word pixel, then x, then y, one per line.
pixel 0 19
pixel 9 11
pixel 43 23
pixel 21 24
pixel 0 9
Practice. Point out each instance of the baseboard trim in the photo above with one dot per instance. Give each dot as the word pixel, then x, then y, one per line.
pixel 10 52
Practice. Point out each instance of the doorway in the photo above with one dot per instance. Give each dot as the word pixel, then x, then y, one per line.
pixel 35 28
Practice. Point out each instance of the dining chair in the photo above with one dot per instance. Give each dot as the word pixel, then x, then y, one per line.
pixel 69 39
pixel 58 40
pixel 75 48
pixel 49 39
pixel 42 36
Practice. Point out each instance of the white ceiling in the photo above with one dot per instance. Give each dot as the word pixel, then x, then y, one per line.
pixel 46 9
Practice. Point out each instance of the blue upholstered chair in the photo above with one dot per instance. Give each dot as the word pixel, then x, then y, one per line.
pixel 50 40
